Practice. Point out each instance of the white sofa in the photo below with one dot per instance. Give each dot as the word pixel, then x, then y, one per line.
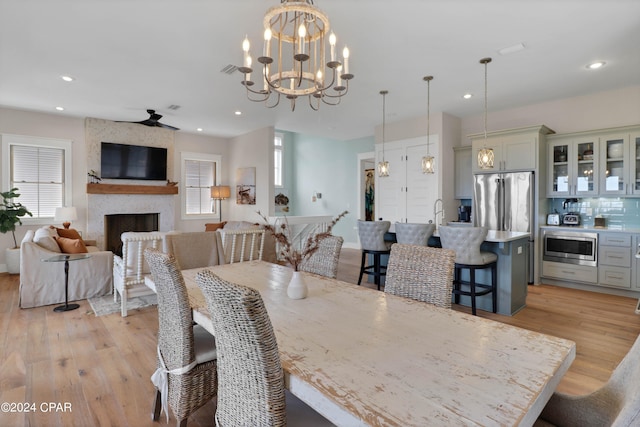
pixel 42 283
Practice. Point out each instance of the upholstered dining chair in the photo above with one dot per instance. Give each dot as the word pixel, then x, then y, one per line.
pixel 371 235
pixel 616 403
pixel 413 234
pixel 186 376
pixel 251 391
pixel 324 261
pixel 421 273
pixel 466 241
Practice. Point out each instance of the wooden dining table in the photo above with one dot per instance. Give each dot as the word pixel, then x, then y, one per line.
pixel 360 356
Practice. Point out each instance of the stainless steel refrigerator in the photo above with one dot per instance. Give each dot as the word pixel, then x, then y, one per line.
pixel 505 201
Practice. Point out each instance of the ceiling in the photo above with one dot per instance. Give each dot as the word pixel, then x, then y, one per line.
pixel 130 55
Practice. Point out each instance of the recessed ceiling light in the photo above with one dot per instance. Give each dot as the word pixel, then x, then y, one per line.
pixel 199 129
pixel 238 113
pixel 67 78
pixel 60 108
pixel 596 65
pixel 467 96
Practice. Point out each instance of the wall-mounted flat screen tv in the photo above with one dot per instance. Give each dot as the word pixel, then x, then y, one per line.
pixel 123 161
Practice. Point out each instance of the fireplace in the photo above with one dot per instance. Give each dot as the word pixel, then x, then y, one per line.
pixel 116 224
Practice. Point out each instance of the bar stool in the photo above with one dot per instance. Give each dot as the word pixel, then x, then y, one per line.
pixel 466 242
pixel 413 234
pixel 372 241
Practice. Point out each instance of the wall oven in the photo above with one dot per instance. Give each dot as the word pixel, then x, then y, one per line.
pixel 570 247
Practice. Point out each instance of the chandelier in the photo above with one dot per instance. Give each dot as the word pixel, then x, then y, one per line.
pixel 383 165
pixel 428 160
pixel 294 58
pixel 485 156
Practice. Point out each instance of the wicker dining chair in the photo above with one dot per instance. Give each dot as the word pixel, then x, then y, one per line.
pixel 422 273
pixel 324 261
pixel 252 389
pixel 186 376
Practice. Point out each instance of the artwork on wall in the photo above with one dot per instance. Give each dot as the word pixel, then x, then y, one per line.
pixel 246 186
pixel 369 194
pixel 282 201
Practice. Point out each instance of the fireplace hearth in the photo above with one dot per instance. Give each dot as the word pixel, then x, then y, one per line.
pixel 116 224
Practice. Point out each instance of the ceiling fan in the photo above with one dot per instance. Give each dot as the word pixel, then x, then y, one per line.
pixel 154 121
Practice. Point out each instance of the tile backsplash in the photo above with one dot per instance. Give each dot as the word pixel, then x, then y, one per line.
pixel 619 212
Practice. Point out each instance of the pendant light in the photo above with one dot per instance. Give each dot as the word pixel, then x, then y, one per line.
pixel 485 156
pixel 428 160
pixel 383 165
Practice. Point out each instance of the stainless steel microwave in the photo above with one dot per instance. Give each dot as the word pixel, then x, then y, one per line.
pixel 571 247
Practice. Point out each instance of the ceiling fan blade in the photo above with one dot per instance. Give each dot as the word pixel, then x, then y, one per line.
pixel 162 125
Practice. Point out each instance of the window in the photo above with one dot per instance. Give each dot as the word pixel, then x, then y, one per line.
pixel 199 173
pixel 41 170
pixel 277 160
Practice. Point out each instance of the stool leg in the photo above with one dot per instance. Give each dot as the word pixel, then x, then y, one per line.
pixel 472 289
pixel 361 268
pixel 376 269
pixel 456 284
pixel 494 286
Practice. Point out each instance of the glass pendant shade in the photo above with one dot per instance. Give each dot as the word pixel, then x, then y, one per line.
pixel 485 158
pixel 427 164
pixel 383 168
pixel 428 161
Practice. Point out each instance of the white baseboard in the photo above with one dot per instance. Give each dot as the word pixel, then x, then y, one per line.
pixel 350 245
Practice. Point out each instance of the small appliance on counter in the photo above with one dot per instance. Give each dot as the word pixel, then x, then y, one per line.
pixel 571 218
pixel 464 213
pixel 553 219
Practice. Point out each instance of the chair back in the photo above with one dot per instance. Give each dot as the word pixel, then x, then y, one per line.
pixel 194 249
pixel 421 273
pixel 175 331
pixel 324 261
pixel 251 380
pixel 413 234
pixel 465 241
pixel 371 234
pixel 246 244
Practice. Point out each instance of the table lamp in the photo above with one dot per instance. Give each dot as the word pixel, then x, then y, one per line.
pixel 65 215
pixel 220 192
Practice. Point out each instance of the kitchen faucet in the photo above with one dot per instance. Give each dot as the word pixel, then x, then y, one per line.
pixel 436 211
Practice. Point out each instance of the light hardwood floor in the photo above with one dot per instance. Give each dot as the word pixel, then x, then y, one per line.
pixel 101 365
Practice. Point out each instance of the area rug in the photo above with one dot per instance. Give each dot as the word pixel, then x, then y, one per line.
pixel 104 305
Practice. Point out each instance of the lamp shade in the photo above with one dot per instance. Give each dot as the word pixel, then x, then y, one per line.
pixel 220 192
pixel 65 215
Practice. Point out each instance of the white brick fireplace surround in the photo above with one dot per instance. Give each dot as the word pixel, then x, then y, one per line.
pixel 99 205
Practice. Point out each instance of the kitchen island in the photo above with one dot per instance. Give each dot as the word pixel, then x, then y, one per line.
pixel 512 248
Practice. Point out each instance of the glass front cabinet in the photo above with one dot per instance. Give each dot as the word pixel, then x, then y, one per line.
pixel 597 163
pixel 573 167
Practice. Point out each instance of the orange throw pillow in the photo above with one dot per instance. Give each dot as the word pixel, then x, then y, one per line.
pixel 69 233
pixel 71 246
pixel 213 226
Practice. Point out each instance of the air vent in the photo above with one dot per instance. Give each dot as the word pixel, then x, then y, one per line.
pixel 229 69
pixel 173 107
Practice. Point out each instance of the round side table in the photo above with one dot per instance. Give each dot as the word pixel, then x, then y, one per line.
pixel 66 258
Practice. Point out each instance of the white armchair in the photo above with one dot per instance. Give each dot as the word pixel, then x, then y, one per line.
pixel 130 270
pixel 42 283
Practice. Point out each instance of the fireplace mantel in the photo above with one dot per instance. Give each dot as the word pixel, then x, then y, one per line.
pixel 131 189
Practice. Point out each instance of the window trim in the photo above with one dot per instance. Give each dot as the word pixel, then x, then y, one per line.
pixel 281 149
pixel 184 156
pixel 36 141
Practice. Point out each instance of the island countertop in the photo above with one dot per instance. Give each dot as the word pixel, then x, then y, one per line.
pixel 496 236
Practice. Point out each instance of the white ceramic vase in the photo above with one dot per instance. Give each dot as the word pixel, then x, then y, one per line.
pixel 297 288
pixel 12 258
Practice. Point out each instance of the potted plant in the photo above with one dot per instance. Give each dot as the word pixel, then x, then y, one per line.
pixel 10 214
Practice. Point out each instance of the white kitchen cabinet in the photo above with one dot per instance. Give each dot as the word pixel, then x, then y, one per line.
pixel 614 168
pixel 463 175
pixel 513 149
pixel 406 195
pixel 572 166
pixel 570 272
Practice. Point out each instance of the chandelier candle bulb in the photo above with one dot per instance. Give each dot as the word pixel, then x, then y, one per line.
pixel 345 55
pixel 332 42
pixel 302 33
pixel 267 42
